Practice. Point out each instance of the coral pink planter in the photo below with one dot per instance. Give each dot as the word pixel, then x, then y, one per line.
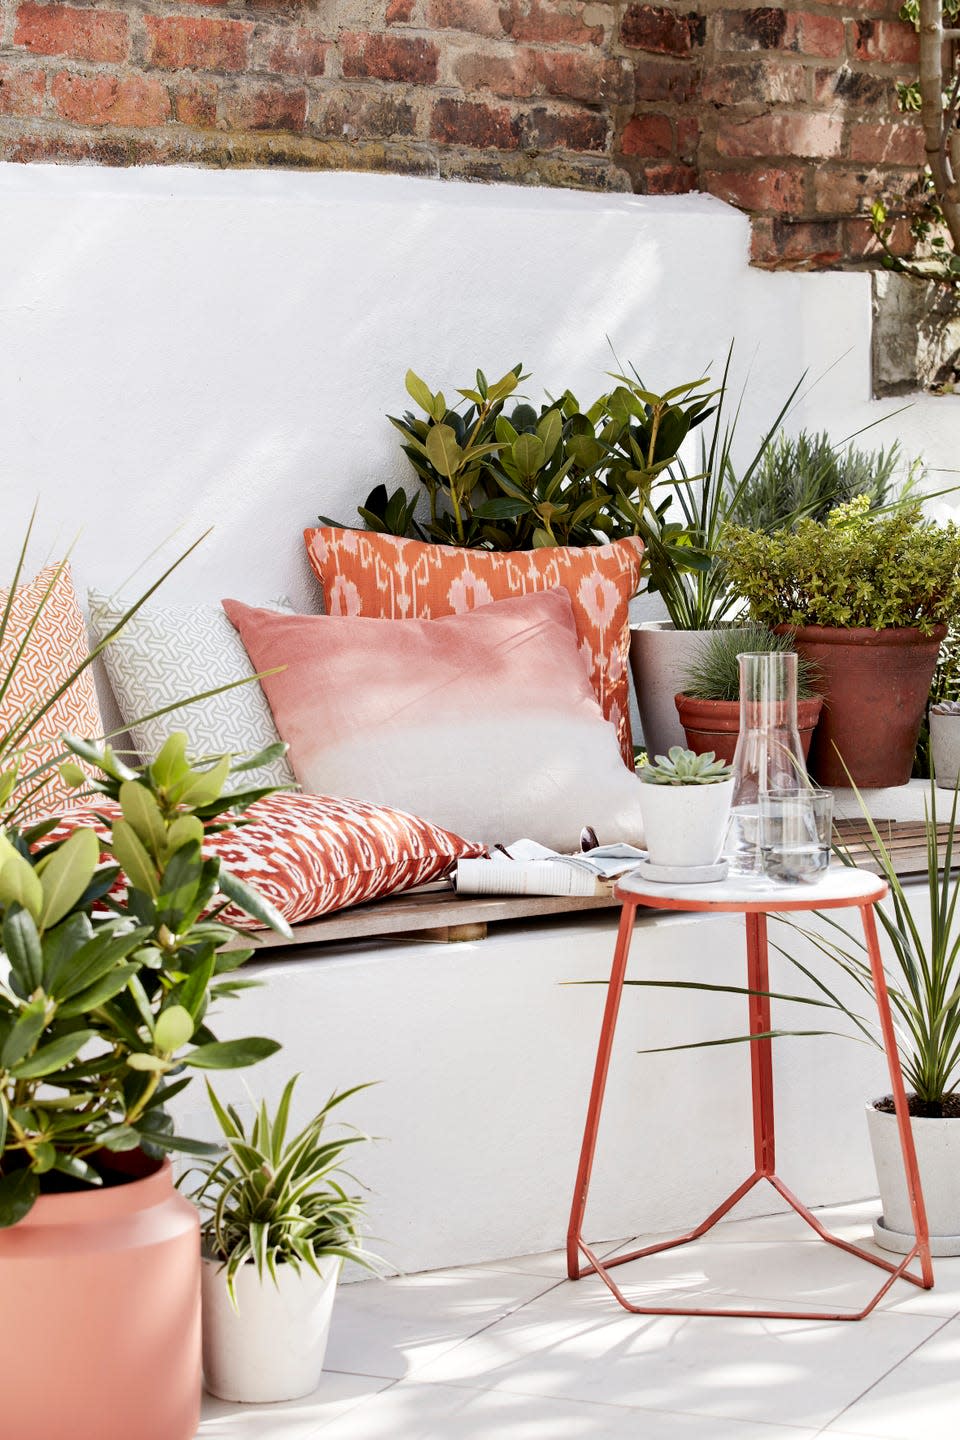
pixel 100 1315
pixel 715 724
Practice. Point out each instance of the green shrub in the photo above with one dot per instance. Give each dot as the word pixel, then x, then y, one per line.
pixel 889 570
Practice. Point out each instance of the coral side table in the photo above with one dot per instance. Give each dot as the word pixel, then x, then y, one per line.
pixel 840 887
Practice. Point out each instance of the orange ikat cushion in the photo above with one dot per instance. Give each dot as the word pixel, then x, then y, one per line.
pixel 387 578
pixel 310 854
pixel 55 645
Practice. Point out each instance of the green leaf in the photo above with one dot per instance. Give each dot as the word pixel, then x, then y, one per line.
pixel 53 1056
pixel 19 883
pixel 253 903
pixel 141 811
pixel 170 765
pixel 21 941
pixel 164 1140
pixel 141 1061
pixel 179 884
pixel 119 1137
pixel 133 858
pixel 528 453
pixel 66 875
pixel 59 947
pixel 173 1029
pixel 24 1033
pixel 550 430
pixel 18 1192
pixel 72 776
pixel 98 994
pixel 204 786
pixel 231 1054
pixel 419 392
pixel 95 959
pixel 443 451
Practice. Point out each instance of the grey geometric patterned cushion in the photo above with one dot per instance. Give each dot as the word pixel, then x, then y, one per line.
pixel 168 653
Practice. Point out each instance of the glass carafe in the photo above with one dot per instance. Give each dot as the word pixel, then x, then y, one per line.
pixel 769 755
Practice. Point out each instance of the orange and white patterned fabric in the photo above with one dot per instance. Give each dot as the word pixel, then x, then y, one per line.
pixel 310 854
pixel 56 645
pixel 386 578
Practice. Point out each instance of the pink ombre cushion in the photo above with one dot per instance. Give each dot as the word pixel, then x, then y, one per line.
pixel 485 723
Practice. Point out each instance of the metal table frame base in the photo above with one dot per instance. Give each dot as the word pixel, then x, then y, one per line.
pixel 764 1135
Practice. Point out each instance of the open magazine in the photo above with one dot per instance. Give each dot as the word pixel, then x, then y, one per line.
pixel 526 868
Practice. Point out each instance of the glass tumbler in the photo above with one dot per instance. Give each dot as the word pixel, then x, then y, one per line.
pixel 796 829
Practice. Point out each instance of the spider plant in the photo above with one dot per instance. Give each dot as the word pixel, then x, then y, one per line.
pixel 271 1201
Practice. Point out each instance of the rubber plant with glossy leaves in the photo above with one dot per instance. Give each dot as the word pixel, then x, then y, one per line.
pixel 103 1014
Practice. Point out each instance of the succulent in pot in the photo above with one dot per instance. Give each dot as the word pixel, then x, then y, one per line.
pixel 867 598
pixel 709 704
pixel 685 803
pixel 277 1225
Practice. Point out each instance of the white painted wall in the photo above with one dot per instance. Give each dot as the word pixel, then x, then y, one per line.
pixel 187 348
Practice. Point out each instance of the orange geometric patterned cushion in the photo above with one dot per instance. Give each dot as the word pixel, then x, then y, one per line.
pixel 56 645
pixel 311 854
pixel 382 576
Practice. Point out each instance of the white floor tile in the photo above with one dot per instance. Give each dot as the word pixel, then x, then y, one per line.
pixel 799 1373
pixel 291 1420
pixel 920 1397
pixel 390 1328
pixel 551 1263
pixel 442 1412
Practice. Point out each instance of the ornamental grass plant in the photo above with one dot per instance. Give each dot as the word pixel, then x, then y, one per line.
pixel 715 671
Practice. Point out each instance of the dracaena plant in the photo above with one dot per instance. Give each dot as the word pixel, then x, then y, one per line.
pixel 104 1010
pixel 557 475
pixel 271 1201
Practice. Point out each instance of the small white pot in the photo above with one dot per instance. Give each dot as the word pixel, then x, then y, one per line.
pixel 945 748
pixel 684 825
pixel 272 1347
pixel 937 1144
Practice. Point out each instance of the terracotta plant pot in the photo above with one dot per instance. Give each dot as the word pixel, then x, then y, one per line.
pixel 715 724
pixel 875 685
pixel 100 1315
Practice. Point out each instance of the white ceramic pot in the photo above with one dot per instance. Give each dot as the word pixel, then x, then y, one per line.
pixel 272 1346
pixel 945 749
pixel 684 825
pixel 660 657
pixel 937 1144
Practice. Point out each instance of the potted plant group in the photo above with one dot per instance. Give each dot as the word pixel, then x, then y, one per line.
pixel 867 598
pixel 709 704
pixel 103 1014
pixel 277 1226
pixel 685 804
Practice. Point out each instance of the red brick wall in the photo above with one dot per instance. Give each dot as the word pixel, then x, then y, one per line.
pixel 789 114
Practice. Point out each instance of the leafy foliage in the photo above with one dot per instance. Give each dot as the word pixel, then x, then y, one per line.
pixel 685 767
pixel 560 475
pixel 715 671
pixel 924 979
pixel 105 1004
pixel 805 477
pixel 857 569
pixel 270 1200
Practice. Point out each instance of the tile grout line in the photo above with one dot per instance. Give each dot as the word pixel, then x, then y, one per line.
pixel 910 1353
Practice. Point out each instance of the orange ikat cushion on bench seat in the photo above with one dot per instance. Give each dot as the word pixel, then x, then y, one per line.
pixel 311 854
pixel 387 578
